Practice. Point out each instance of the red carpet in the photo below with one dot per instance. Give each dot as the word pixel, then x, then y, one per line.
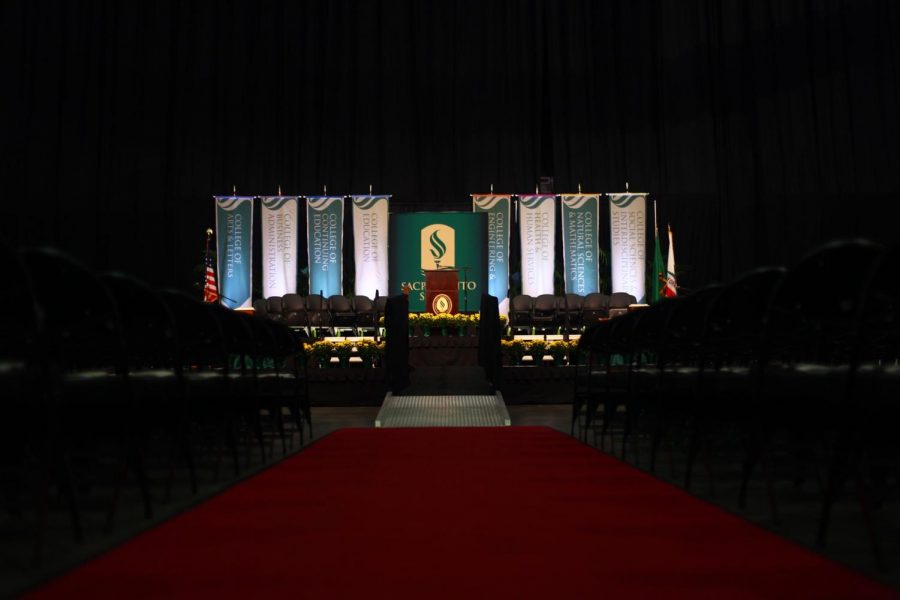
pixel 457 513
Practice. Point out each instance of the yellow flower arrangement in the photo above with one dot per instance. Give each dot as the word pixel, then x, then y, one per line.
pixel 368 350
pixel 457 320
pixel 559 349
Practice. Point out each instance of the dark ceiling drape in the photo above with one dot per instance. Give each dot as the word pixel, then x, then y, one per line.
pixel 761 127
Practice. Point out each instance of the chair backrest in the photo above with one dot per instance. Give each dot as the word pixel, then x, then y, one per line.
pixel 545 304
pixel 293 309
pixel 621 339
pixel 148 325
pixel 339 304
pixel 20 319
pixel 238 334
pixel 521 303
pixel 736 320
pixel 260 307
pixel 520 308
pixel 275 304
pixel 363 304
pixel 687 325
pixel 573 302
pixel 366 315
pixel 82 321
pixel 315 302
pixel 880 317
pixel 317 311
pixel 809 319
pixel 594 307
pixel 648 335
pixel 621 300
pixel 200 340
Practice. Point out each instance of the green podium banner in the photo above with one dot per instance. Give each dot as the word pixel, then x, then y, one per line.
pixel 435 240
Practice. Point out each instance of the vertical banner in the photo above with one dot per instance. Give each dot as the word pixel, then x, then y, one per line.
pixel 581 248
pixel 537 230
pixel 325 241
pixel 370 244
pixel 234 250
pixel 628 237
pixel 497 208
pixel 279 245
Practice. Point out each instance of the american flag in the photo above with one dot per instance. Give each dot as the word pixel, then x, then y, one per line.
pixel 210 289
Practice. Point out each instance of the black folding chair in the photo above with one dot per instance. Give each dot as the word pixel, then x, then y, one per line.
pixel 94 405
pixel 342 316
pixel 594 308
pixel 520 312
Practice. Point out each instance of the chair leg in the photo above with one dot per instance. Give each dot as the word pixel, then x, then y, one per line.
pixel 140 472
pixel 770 488
pixel 67 488
pixel 41 493
pixel 693 450
pixel 709 470
pixel 231 443
pixel 867 520
pixel 280 424
pixel 832 488
pixel 746 472
pixel 188 456
pixel 114 501
pixel 654 445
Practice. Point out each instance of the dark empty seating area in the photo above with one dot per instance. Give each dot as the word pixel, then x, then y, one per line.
pixel 552 314
pixel 111 387
pixel 317 316
pixel 782 374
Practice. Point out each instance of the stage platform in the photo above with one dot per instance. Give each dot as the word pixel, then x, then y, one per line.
pixel 443 411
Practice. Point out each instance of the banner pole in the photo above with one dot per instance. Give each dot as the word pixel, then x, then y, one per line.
pixel 655 227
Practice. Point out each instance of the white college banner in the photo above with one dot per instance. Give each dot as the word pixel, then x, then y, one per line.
pixel 537 233
pixel 279 245
pixel 628 237
pixel 370 243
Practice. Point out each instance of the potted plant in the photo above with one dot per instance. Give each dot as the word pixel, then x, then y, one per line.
pixel 558 350
pixel 344 350
pixel 537 349
pixel 515 350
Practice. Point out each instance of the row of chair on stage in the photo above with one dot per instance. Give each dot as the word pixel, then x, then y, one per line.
pixel 316 313
pixel 548 313
pixel 793 367
pixel 106 381
pixel 361 315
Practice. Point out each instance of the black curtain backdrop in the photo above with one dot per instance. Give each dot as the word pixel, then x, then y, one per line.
pixel 761 127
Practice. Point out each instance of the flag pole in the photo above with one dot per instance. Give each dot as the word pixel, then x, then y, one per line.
pixel 655 227
pixel 209 234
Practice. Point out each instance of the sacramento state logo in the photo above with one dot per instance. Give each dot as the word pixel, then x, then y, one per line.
pixel 441 304
pixel 438 247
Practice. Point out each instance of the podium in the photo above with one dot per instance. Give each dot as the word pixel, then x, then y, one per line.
pixel 442 291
